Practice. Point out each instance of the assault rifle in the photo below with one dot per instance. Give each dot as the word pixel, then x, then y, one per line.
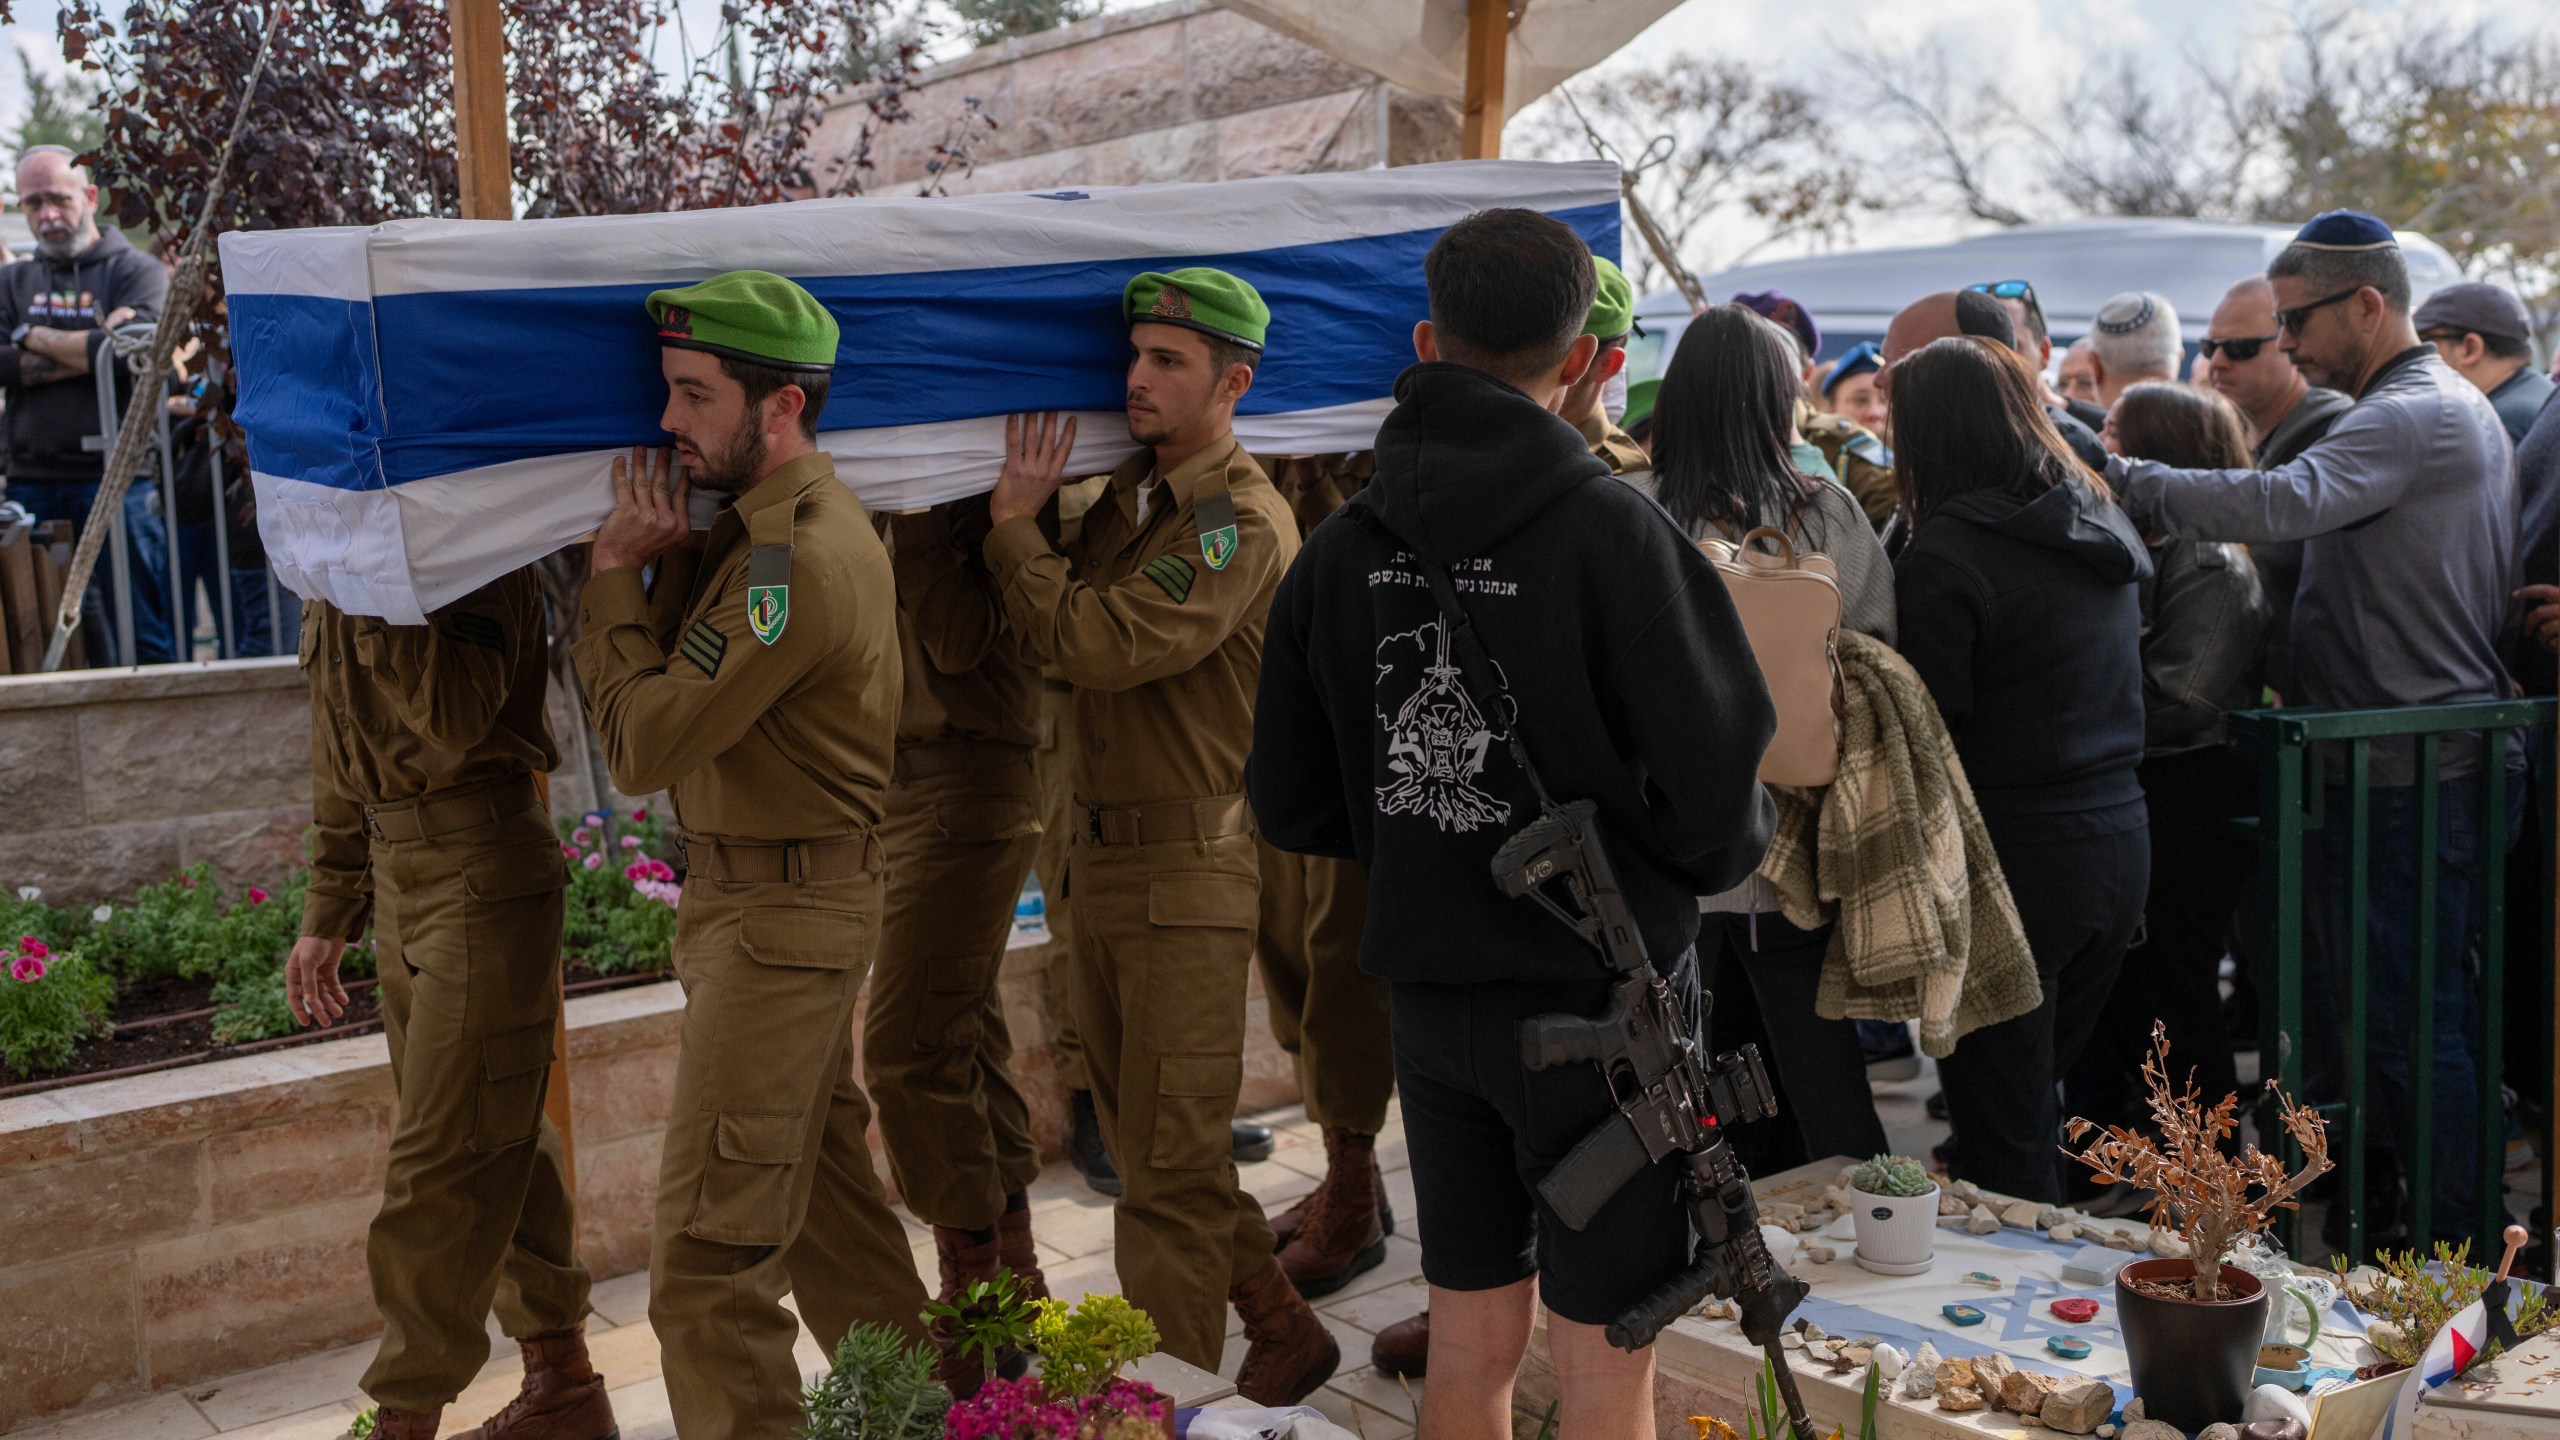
pixel 1671 1102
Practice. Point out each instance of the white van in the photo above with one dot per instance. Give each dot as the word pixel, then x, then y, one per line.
pixel 2075 266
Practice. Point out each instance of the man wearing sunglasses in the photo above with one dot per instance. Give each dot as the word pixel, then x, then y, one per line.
pixel 2285 413
pixel 2407 511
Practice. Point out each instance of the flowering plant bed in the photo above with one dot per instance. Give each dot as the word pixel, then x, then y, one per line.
pixel 182 973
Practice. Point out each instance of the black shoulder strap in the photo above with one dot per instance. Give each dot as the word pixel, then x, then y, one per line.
pixel 1476 670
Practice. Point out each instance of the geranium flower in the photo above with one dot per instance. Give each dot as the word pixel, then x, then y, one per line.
pixel 28 970
pixel 569 850
pixel 594 861
pixel 659 890
pixel 640 815
pixel 579 836
pixel 630 842
pixel 33 948
pixel 257 896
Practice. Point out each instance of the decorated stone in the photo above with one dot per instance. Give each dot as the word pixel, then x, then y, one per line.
pixel 1983 1278
pixel 2079 1310
pixel 2069 1347
pixel 1963 1314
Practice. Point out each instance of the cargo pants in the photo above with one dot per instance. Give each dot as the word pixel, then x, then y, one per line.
pixel 1326 1012
pixel 766 1185
pixel 1164 940
pixel 960 830
pixel 476 1209
pixel 1054 764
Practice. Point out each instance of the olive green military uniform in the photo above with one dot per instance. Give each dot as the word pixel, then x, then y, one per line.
pixel 1614 445
pixel 425 740
pixel 962 823
pixel 1857 459
pixel 775 750
pixel 1328 1014
pixel 1157 620
pixel 1054 763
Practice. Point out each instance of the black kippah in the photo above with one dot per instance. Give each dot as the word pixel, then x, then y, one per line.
pixel 1979 315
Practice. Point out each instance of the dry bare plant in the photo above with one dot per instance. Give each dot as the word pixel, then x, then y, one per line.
pixel 2208 1195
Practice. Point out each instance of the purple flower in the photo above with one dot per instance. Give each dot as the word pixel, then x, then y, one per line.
pixel 593 861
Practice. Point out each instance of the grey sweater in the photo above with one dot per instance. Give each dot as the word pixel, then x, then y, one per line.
pixel 2407 508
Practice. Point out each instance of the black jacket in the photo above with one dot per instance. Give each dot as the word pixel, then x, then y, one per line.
pixel 1635 684
pixel 2024 619
pixel 48 421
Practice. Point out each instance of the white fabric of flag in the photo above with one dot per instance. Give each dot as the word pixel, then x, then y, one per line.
pixel 433 403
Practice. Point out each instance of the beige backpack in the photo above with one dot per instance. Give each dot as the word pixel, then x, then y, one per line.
pixel 1790 607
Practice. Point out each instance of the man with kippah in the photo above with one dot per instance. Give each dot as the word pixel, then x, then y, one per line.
pixel 2407 514
pixel 754 675
pixel 1155 615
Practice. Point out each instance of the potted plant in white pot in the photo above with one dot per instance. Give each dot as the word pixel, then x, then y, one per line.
pixel 1895 1204
pixel 2193 1324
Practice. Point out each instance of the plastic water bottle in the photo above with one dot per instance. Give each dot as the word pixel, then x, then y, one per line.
pixel 1031 913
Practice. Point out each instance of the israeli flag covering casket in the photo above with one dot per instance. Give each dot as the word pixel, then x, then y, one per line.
pixel 432 403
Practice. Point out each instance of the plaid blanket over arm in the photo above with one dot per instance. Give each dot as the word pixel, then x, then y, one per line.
pixel 1896 853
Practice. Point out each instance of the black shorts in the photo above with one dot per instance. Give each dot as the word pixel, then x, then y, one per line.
pixel 1483 1130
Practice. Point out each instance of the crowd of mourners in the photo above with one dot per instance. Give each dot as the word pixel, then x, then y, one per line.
pixel 2344 501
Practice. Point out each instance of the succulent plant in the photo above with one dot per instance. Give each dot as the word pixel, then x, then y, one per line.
pixel 1897 1176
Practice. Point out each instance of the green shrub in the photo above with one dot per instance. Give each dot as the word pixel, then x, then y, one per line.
pixel 23 912
pixel 170 931
pixel 50 1001
pixel 251 1006
pixel 877 1388
pixel 1082 1350
pixel 1893 1176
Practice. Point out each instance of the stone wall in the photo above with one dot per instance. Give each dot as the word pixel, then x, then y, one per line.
pixel 1178 91
pixel 114 779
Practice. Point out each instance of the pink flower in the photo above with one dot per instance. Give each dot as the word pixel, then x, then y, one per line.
pixel 641 814
pixel 32 948
pixel 28 970
pixel 579 836
pixel 569 850
pixel 594 860
pixel 257 896
pixel 630 842
pixel 660 891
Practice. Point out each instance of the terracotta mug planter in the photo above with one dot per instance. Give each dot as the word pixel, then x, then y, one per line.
pixel 2192 1360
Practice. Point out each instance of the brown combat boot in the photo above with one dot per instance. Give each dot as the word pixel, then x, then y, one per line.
pixel 392 1423
pixel 1342 1234
pixel 1284 1226
pixel 1016 1253
pixel 1289 1353
pixel 962 1261
pixel 562 1399
pixel 1404 1348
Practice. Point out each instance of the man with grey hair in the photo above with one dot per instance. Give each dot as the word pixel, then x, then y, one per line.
pixel 2407 511
pixel 56 309
pixel 2134 338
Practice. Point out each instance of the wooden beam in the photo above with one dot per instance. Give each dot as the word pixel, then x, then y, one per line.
pixel 1488 57
pixel 480 109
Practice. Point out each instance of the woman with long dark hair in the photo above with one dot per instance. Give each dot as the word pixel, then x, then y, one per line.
pixel 1723 423
pixel 2021 611
pixel 2205 621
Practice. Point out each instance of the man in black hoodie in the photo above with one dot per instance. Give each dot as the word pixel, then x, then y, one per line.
pixel 1635 688
pixel 56 309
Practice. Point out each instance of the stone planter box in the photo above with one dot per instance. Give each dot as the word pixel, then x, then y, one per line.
pixel 172 1228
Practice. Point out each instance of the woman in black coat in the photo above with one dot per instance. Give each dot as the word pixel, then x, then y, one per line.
pixel 2020 611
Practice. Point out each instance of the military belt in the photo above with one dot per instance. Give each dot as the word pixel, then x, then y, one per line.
pixel 1214 818
pixel 951 757
pixel 785 862
pixel 445 811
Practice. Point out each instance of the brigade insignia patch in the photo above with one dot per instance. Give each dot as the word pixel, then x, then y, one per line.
pixel 678 322
pixel 1172 302
pixel 768 610
pixel 1173 575
pixel 1218 546
pixel 704 646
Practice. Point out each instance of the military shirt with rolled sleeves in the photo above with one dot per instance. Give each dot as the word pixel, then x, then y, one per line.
pixel 1163 646
pixel 755 741
pixel 400 711
pixel 964 681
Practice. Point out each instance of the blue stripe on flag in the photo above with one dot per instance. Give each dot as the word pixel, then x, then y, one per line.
pixel 476 378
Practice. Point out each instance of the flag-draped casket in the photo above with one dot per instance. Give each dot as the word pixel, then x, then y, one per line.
pixel 432 403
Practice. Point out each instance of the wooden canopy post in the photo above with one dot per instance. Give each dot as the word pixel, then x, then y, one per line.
pixel 488 193
pixel 1488 56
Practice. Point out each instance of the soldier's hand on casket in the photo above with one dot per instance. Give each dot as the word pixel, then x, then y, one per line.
pixel 312 989
pixel 649 515
pixel 1035 464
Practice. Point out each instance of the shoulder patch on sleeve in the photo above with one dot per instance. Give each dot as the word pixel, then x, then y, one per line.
pixel 703 645
pixel 1870 449
pixel 1173 575
pixel 475 630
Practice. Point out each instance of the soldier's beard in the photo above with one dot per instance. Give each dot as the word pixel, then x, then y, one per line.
pixel 739 463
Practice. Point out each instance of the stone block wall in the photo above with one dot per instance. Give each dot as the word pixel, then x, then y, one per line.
pixel 1177 91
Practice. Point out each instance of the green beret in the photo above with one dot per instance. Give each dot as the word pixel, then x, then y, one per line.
pixel 1212 302
pixel 1640 398
pixel 1613 309
pixel 751 315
